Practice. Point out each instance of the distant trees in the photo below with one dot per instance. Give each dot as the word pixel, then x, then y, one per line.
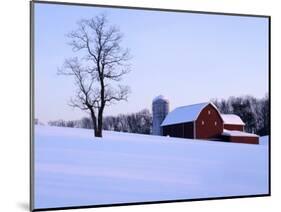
pixel 85 123
pixel 99 66
pixel 254 112
pixel 61 123
pixel 140 122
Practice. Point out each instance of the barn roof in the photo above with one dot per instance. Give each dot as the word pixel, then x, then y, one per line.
pixel 232 119
pixel 184 114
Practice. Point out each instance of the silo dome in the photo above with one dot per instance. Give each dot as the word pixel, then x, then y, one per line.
pixel 160 109
pixel 161 98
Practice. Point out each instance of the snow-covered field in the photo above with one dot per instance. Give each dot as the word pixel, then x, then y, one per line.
pixel 73 168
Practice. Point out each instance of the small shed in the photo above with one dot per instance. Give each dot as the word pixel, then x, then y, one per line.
pixel 240 137
pixel 200 121
pixel 232 122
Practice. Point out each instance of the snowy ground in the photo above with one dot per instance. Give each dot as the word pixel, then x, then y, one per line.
pixel 73 168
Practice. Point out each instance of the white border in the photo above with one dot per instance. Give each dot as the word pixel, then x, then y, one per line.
pixel 14 87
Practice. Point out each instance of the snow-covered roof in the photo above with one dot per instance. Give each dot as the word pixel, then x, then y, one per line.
pixel 232 119
pixel 184 114
pixel 238 133
pixel 160 97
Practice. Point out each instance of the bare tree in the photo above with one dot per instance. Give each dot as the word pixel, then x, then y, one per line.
pixel 100 64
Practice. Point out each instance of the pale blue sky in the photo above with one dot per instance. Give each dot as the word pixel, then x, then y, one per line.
pixel 187 57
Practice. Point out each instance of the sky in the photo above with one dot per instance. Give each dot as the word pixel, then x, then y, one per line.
pixel 189 58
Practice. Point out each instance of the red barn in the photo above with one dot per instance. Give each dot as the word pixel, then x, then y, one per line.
pixel 200 121
pixel 204 121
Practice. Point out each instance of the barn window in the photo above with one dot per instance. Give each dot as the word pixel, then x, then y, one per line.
pixel 203 122
pixel 216 123
pixel 209 112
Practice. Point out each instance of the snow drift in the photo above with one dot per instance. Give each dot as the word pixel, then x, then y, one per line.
pixel 73 168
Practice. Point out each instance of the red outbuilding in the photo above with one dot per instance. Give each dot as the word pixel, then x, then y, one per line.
pixel 239 137
pixel 232 122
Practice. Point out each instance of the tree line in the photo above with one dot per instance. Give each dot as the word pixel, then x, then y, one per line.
pixel 139 122
pixel 253 111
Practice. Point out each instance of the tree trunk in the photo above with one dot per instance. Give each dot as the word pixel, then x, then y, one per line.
pixel 99 125
pixel 100 112
pixel 94 120
pixel 100 122
pixel 98 133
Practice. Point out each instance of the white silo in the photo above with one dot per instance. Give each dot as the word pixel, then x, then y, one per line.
pixel 160 108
